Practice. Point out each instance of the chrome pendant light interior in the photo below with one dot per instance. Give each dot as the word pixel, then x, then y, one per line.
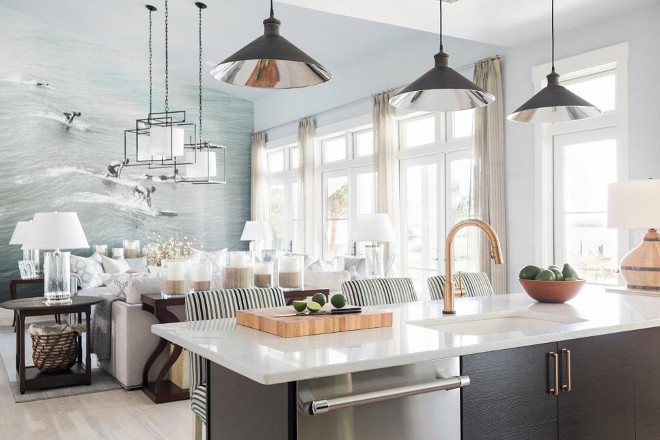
pixel 441 88
pixel 554 103
pixel 271 62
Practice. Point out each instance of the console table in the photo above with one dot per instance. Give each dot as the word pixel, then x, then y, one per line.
pixel 30 378
pixel 162 390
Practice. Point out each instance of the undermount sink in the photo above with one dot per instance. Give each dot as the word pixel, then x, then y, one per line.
pixel 496 322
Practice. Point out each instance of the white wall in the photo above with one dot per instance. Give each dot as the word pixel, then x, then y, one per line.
pixel 640 29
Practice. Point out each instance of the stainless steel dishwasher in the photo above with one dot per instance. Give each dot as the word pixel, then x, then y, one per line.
pixel 412 402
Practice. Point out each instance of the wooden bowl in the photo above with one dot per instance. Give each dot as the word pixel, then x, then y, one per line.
pixel 552 291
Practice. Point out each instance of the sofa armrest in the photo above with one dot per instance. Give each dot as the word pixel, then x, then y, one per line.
pixel 75 283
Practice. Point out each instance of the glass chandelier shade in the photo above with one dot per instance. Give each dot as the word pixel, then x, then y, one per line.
pixel 271 61
pixel 166 141
pixel 201 164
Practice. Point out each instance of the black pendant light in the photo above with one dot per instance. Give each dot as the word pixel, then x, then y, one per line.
pixel 554 103
pixel 271 62
pixel 442 88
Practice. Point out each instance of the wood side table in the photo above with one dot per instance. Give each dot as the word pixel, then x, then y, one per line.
pixel 162 390
pixel 30 378
pixel 300 294
pixel 16 280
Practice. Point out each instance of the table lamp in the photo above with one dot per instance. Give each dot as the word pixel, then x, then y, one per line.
pixel 633 205
pixel 56 230
pixel 376 228
pixel 20 235
pixel 255 232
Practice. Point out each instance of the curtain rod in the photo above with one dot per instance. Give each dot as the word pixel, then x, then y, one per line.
pixel 355 101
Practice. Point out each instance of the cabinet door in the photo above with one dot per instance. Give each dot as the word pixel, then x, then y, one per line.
pixel 601 404
pixel 508 395
pixel 647 363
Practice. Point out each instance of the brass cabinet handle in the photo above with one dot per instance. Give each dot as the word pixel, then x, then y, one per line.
pixel 568 386
pixel 554 390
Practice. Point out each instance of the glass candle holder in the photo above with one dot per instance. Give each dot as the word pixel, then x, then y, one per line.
pixel 290 270
pixel 117 253
pixel 238 272
pixel 131 248
pixel 175 278
pixel 200 276
pixel 101 249
pixel 263 274
pixel 57 277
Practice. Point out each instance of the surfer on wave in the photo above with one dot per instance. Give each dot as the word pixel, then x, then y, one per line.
pixel 115 167
pixel 40 84
pixel 145 193
pixel 70 116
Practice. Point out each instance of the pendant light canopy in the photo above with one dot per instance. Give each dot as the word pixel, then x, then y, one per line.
pixel 441 88
pixel 554 103
pixel 271 62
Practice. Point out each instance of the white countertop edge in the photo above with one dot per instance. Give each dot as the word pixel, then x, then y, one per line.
pixel 405 359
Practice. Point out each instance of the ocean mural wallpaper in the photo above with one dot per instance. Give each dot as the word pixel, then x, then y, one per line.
pixel 65 105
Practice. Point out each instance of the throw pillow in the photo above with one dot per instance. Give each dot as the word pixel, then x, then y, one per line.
pixel 115 266
pixel 137 264
pixel 117 283
pixel 320 266
pixel 359 265
pixel 216 258
pixel 88 269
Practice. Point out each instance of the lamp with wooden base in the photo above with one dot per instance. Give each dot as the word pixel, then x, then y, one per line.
pixel 634 205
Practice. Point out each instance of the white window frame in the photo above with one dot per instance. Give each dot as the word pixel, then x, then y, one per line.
pixel 596 61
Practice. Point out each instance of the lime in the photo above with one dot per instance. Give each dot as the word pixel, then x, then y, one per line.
pixel 557 272
pixel 338 300
pixel 300 306
pixel 569 272
pixel 554 266
pixel 319 298
pixel 546 275
pixel 313 307
pixel 570 279
pixel 529 272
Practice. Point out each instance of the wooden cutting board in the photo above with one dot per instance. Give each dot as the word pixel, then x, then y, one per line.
pixel 307 325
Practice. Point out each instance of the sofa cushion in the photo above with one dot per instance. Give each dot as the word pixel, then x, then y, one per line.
pixel 117 283
pixel 111 265
pixel 137 264
pixel 88 269
pixel 139 285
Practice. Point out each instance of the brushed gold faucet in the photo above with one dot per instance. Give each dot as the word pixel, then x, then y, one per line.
pixel 496 255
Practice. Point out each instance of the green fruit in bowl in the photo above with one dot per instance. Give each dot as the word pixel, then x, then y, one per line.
pixel 545 275
pixel 338 301
pixel 554 266
pixel 569 272
pixel 529 272
pixel 319 298
pixel 313 307
pixel 571 279
pixel 300 306
pixel 557 272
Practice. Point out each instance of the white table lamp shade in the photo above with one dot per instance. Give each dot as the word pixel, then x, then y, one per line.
pixel 166 141
pixel 634 204
pixel 374 227
pixel 21 232
pixel 201 165
pixel 56 230
pixel 256 231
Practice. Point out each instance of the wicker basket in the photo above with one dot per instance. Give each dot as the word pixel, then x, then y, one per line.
pixel 56 352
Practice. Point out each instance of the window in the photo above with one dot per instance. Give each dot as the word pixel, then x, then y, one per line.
pixel 334 149
pixel 578 160
pixel 434 192
pixel 283 197
pixel 336 214
pixel 363 143
pixel 276 161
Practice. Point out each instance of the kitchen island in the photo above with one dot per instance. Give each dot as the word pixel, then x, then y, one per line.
pixel 371 383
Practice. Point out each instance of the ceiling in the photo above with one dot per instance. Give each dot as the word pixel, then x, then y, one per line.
pixel 335 32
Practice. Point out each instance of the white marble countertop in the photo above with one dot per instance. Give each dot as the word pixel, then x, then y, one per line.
pixel 270 359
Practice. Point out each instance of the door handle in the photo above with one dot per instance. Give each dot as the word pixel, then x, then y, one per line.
pixel 554 390
pixel 568 386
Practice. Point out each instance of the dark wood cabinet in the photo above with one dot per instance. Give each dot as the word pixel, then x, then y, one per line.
pixel 599 380
pixel 507 398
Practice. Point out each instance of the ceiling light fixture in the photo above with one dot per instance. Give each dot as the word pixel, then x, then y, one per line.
pixel 554 103
pixel 271 62
pixel 442 88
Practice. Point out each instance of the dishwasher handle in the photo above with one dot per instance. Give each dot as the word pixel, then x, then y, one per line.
pixel 451 383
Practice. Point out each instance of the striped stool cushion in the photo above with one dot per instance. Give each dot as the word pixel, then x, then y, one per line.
pixel 377 291
pixel 220 304
pixel 475 283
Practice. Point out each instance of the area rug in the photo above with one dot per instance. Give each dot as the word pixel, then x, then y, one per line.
pixel 101 381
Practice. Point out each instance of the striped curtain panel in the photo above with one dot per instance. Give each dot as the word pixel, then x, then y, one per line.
pixel 487 200
pixel 259 184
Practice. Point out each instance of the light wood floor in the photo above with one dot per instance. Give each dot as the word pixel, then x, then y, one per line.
pixel 120 414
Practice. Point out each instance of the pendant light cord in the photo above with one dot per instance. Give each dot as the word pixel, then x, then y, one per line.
pixel 272 14
pixel 167 108
pixel 200 76
pixel 553 36
pixel 151 82
pixel 441 48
